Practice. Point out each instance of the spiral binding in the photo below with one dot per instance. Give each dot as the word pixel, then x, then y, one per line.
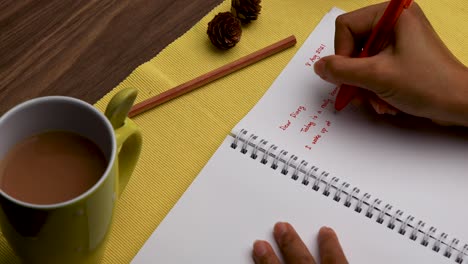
pixel 349 196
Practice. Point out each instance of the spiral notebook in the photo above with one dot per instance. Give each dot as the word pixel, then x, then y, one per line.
pixel 393 188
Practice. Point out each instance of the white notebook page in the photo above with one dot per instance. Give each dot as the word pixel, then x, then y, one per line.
pixel 413 165
pixel 236 200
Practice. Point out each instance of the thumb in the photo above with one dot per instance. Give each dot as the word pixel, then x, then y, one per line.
pixel 359 72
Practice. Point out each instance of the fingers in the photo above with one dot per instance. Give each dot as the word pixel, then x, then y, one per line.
pixel 291 246
pixel 263 253
pixel 381 107
pixel 353 28
pixel 294 250
pixel 366 73
pixel 330 248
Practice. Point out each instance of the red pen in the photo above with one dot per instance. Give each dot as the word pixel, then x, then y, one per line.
pixel 378 39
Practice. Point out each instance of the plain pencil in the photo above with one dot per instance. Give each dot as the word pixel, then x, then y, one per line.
pixel 212 75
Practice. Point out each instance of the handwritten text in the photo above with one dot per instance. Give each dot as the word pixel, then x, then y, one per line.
pixel 298 111
pixel 314 58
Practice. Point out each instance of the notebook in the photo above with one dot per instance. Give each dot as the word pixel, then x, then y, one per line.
pixel 393 188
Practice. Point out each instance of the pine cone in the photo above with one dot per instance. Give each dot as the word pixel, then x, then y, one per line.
pixel 224 30
pixel 246 10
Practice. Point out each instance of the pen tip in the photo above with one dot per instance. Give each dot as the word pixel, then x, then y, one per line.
pixel 339 106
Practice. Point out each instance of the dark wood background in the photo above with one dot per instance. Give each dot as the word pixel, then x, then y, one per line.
pixel 84 48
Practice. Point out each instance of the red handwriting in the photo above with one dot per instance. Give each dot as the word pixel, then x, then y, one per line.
pixel 314 142
pixel 314 58
pixel 319 50
pixel 308 126
pixel 326 102
pixel 294 115
pixel 325 130
pixel 298 111
pixel 316 138
pixel 334 92
pixel 315 118
pixel 285 126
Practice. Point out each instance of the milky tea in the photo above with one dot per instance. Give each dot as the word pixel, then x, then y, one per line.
pixel 51 167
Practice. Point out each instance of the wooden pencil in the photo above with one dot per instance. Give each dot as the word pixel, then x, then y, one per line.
pixel 212 75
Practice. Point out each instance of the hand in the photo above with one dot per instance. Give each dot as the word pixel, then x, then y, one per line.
pixel 293 249
pixel 415 73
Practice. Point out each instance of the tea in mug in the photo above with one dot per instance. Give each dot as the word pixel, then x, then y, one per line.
pixel 51 167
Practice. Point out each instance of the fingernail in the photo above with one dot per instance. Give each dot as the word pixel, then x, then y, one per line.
pixel 319 68
pixel 325 230
pixel 260 248
pixel 280 230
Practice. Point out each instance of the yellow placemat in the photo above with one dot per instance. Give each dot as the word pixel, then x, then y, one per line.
pixel 180 136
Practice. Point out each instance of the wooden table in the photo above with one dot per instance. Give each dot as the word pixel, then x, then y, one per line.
pixel 84 48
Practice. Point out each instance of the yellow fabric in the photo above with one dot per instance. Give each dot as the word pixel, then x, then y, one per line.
pixel 180 136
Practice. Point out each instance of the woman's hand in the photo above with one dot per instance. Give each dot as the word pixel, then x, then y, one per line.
pixel 293 249
pixel 415 73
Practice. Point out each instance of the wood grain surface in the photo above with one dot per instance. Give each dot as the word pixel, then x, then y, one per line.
pixel 84 48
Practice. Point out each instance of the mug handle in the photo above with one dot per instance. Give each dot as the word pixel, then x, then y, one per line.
pixel 127 134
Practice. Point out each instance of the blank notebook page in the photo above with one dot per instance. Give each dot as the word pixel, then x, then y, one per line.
pixel 236 200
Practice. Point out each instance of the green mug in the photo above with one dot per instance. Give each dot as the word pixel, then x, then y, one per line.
pixel 74 231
